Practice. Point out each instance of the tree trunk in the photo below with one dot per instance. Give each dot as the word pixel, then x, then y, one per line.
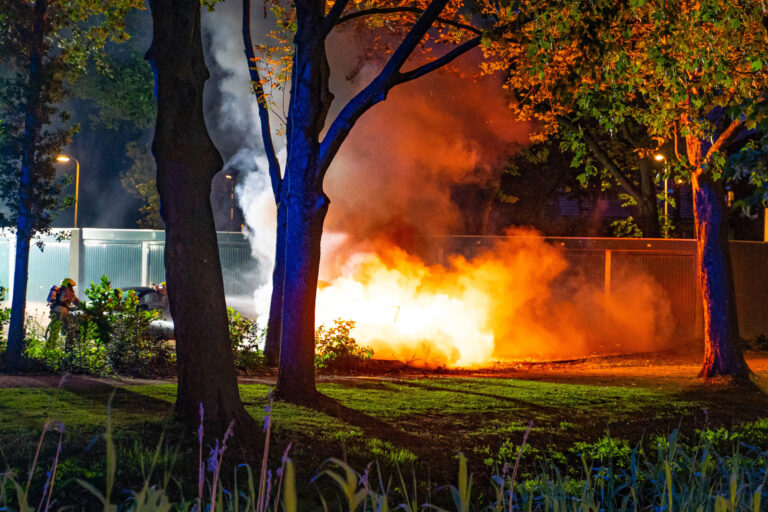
pixel 305 203
pixel 25 222
pixel 15 349
pixel 305 215
pixel 274 324
pixel 307 161
pixel 187 160
pixel 722 344
pixel 648 209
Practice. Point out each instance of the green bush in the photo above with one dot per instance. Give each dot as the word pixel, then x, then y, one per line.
pixel 108 334
pixel 5 313
pixel 336 349
pixel 246 337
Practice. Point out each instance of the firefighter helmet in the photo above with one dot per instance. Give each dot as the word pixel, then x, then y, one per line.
pixel 68 282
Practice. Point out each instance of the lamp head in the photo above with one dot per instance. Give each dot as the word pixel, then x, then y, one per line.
pixel 659 157
pixel 63 159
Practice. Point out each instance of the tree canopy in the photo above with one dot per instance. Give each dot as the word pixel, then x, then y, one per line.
pixel 44 47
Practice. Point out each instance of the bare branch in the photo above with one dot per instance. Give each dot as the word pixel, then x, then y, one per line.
pixel 377 90
pixel 333 15
pixel 258 89
pixel 439 62
pixel 396 10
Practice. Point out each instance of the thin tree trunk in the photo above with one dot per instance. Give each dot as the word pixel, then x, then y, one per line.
pixel 649 212
pixel 722 344
pixel 272 342
pixel 15 348
pixel 25 220
pixel 274 324
pixel 187 160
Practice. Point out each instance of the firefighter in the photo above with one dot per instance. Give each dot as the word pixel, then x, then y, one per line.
pixel 162 292
pixel 61 297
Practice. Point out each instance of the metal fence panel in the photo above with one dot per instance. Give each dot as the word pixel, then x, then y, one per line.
pixel 675 276
pixel 583 263
pixel 238 268
pixel 46 268
pixel 5 250
pixel 156 264
pixel 121 262
pixel 750 275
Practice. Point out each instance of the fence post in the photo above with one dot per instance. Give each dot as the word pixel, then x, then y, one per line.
pixel 765 224
pixel 77 257
pixel 607 279
pixel 144 263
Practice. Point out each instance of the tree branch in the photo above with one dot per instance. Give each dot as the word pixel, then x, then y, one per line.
pixel 261 99
pixel 439 62
pixel 722 138
pixel 605 160
pixel 333 15
pixel 396 10
pixel 377 90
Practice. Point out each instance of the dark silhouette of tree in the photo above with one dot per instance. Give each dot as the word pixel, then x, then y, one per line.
pixel 626 156
pixel 186 161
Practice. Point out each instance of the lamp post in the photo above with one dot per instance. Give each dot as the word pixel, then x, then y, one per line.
pixel 231 182
pixel 660 158
pixel 65 159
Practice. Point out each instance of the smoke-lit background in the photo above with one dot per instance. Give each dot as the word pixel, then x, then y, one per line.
pixel 425 162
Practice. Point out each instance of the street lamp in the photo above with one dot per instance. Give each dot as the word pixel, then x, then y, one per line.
pixel 65 159
pixel 231 181
pixel 660 158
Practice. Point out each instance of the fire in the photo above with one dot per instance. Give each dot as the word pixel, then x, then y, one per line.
pixel 403 312
pixel 512 302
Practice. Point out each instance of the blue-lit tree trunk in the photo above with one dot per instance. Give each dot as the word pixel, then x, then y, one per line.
pixel 274 324
pixel 308 159
pixel 722 344
pixel 305 202
pixel 25 220
pixel 187 160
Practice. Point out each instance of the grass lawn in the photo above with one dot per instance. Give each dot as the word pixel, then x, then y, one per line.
pixel 404 420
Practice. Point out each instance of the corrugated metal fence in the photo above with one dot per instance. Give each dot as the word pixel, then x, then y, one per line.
pixel 129 257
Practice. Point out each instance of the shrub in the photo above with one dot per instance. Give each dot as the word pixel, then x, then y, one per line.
pixel 5 313
pixel 336 349
pixel 109 334
pixel 246 338
pixel 758 343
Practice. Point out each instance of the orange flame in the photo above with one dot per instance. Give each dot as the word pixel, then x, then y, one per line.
pixel 513 302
